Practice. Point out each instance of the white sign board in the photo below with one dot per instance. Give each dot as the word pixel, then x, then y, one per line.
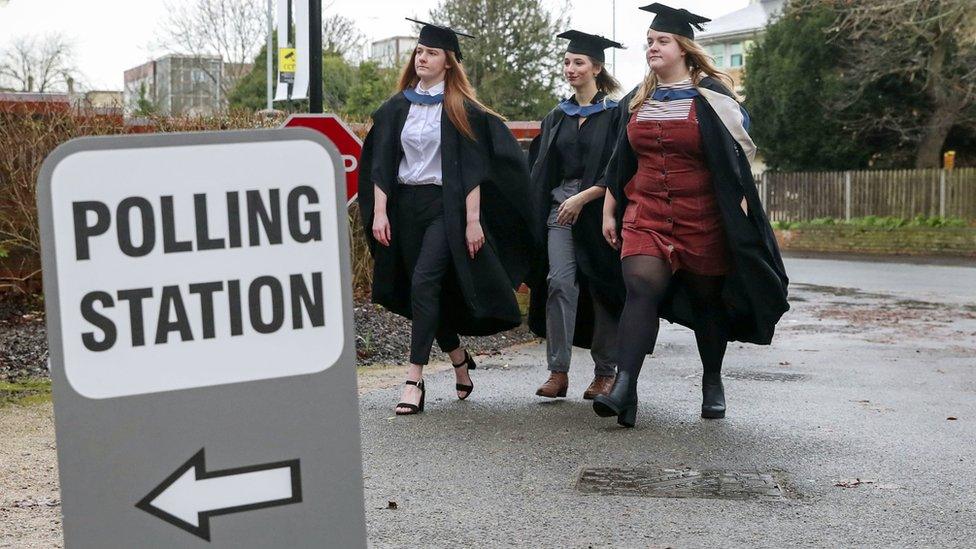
pixel 207 279
pixel 199 303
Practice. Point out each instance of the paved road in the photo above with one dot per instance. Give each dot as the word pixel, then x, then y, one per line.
pixel 841 424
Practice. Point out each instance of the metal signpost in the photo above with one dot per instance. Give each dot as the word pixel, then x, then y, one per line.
pixel 202 350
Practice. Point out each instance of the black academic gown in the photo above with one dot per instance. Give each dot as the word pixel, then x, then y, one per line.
pixel 477 296
pixel 598 265
pixel 755 294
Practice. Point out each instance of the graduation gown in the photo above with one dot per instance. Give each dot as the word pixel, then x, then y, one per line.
pixel 755 293
pixel 478 294
pixel 598 265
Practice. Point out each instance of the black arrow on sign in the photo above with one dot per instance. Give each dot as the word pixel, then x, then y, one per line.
pixel 191 495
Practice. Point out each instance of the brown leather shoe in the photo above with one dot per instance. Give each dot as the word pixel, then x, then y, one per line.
pixel 599 386
pixel 555 386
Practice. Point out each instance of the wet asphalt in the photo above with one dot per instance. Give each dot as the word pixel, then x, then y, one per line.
pixel 848 411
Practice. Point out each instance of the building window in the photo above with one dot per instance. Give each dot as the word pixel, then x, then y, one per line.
pixel 717 51
pixel 198 76
pixel 736 58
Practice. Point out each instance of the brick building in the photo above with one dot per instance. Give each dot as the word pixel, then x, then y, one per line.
pixel 181 84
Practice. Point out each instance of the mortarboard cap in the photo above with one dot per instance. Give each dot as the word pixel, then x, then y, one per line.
pixel 436 36
pixel 588 44
pixel 680 22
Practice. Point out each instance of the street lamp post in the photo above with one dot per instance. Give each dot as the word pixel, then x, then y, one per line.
pixel 315 99
pixel 270 64
pixel 613 10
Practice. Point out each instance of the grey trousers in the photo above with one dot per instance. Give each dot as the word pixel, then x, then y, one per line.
pixel 563 299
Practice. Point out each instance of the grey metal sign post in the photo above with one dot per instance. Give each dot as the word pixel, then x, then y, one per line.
pixel 201 339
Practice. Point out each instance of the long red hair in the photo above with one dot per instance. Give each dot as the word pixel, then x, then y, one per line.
pixel 457 90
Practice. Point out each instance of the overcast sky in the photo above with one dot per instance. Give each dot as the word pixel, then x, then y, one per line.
pixel 113 35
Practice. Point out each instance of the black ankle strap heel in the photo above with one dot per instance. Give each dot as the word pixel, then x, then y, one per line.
pixel 413 408
pixel 469 362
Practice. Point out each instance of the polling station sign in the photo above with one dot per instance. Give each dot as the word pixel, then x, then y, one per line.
pixel 200 326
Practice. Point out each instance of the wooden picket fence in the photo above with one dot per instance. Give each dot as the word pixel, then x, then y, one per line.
pixel 804 196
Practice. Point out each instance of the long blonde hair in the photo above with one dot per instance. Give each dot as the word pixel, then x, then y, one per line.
pixel 700 65
pixel 457 90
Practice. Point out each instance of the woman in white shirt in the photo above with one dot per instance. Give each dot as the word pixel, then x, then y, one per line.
pixel 442 195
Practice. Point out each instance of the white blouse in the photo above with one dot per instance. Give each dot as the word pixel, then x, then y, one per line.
pixel 421 140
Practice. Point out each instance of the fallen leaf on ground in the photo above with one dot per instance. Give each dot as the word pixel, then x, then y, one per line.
pixel 391 504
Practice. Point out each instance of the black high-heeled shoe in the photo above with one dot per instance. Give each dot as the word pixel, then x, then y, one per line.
pixel 471 366
pixel 413 408
pixel 713 400
pixel 620 402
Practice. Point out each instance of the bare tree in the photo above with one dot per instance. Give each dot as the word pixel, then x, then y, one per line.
pixel 929 45
pixel 39 64
pixel 233 30
pixel 341 36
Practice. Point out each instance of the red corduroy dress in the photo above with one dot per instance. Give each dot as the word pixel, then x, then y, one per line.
pixel 672 212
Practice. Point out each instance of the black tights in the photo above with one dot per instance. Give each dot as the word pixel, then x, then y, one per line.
pixel 647 280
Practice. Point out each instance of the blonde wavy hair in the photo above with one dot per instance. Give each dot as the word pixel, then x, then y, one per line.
pixel 457 90
pixel 699 63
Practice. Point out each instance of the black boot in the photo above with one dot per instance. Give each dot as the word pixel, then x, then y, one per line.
pixel 713 399
pixel 621 401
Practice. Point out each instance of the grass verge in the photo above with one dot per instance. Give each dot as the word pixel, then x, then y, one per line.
pixel 25 392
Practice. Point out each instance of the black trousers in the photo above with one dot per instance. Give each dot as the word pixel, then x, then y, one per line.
pixel 422 241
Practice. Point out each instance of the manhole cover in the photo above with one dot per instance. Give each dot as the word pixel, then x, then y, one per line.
pixel 756 376
pixel 764 376
pixel 680 483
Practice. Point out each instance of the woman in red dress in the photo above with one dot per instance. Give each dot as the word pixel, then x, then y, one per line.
pixel 683 210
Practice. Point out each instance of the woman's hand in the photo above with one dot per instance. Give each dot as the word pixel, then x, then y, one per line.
pixel 570 209
pixel 610 231
pixel 475 237
pixel 381 229
pixel 745 207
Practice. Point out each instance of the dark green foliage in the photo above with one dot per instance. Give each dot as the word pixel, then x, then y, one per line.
pixel 374 85
pixel 144 105
pixel 883 222
pixel 250 91
pixel 515 63
pixel 791 84
pixel 346 89
pixel 822 98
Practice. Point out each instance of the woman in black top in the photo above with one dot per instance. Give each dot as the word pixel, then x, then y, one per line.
pixel 576 286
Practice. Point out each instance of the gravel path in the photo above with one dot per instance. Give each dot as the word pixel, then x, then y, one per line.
pixel 30 506
pixel 382 338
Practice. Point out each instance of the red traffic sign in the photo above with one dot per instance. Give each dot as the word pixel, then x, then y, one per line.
pixel 349 145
